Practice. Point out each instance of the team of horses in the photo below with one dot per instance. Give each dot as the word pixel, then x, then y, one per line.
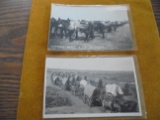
pixel 94 94
pixel 71 29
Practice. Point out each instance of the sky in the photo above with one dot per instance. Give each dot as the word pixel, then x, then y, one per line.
pixel 92 13
pixel 101 64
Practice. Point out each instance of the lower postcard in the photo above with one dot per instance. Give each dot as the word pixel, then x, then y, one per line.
pixel 92 87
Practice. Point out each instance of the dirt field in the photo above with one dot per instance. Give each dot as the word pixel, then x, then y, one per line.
pixel 118 40
pixel 76 106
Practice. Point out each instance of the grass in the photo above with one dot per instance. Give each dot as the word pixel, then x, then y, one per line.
pixel 56 98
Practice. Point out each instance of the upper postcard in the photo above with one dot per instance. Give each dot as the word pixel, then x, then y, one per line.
pixel 90 28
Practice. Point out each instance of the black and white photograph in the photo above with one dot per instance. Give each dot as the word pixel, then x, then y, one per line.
pixel 90 28
pixel 91 87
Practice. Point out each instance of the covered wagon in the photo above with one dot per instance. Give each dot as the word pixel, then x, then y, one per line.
pixel 56 80
pixel 71 80
pixel 77 78
pixel 109 100
pixel 82 84
pixel 91 95
pixel 65 83
pixel 116 101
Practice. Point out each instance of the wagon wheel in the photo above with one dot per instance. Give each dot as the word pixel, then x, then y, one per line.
pixel 84 98
pixel 116 108
pixel 59 84
pixel 81 96
pixel 52 79
pixel 90 102
pixel 103 104
pixel 73 93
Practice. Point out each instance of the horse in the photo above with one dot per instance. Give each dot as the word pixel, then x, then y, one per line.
pixel 53 27
pixel 72 28
pixel 100 28
pixel 105 26
pixel 75 85
pixel 75 88
pixel 87 28
pixel 63 26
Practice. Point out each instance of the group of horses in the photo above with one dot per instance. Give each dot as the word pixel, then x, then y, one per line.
pixel 70 28
pixel 94 94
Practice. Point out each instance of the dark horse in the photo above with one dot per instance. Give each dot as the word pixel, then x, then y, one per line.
pixel 99 27
pixel 88 30
pixel 53 27
pixel 60 26
pixel 102 27
pixel 63 26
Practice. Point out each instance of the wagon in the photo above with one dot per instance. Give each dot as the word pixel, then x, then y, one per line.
pixel 83 83
pixel 71 80
pixel 75 88
pixel 91 95
pixel 125 104
pixel 119 103
pixel 77 77
pixel 108 103
pixel 65 84
pixel 56 80
pixel 129 104
pixel 74 83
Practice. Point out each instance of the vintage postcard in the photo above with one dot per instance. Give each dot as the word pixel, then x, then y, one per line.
pixel 90 28
pixel 91 87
